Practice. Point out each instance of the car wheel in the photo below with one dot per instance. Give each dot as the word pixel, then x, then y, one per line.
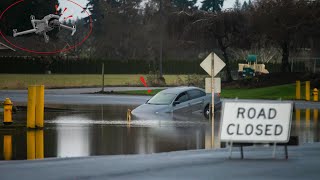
pixel 206 112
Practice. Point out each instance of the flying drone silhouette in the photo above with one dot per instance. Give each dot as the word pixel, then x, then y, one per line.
pixel 41 27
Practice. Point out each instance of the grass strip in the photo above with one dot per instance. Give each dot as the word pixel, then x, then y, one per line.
pixel 285 92
pixel 22 81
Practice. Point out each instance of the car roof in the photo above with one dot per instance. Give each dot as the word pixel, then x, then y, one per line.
pixel 180 89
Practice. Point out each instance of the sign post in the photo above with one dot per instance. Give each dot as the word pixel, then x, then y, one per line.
pixel 256 122
pixel 212 103
pixel 212 64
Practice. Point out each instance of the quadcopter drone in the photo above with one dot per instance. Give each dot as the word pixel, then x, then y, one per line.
pixel 44 25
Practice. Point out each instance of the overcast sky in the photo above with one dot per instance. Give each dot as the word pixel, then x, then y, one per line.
pixel 72 9
pixel 226 3
pixel 230 3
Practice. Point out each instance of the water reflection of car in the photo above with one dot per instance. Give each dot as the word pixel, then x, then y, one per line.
pixel 179 100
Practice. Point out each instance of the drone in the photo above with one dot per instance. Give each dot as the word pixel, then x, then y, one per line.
pixel 41 27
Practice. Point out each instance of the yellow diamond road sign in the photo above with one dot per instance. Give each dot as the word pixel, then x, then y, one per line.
pixel 218 64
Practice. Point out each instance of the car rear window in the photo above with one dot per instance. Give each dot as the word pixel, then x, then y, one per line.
pixel 193 94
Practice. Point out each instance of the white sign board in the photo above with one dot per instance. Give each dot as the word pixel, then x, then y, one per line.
pixel 217 85
pixel 218 64
pixel 244 121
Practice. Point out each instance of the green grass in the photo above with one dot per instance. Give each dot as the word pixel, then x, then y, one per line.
pixel 22 81
pixel 285 92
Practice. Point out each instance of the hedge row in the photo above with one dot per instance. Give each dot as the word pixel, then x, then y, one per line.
pixel 39 65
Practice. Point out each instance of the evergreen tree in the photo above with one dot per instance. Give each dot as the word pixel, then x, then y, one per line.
pixel 115 3
pixel 212 5
pixel 237 5
pixel 249 3
pixel 244 6
pixel 184 4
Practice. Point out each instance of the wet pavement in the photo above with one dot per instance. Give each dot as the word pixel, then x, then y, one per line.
pixel 89 99
pixel 303 163
pixel 97 125
pixel 85 96
pixel 88 130
pixel 80 96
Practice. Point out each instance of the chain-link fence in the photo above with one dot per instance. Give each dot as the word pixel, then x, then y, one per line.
pixel 305 64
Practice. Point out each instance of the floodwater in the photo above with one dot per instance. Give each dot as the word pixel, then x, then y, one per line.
pixel 75 131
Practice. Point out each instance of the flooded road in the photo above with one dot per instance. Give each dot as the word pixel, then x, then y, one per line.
pixel 75 131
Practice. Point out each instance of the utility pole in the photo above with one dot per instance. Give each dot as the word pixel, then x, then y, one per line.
pixel 102 73
pixel 161 37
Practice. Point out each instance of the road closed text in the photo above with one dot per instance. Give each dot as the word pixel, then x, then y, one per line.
pixel 256 129
pixel 255 121
pixel 259 129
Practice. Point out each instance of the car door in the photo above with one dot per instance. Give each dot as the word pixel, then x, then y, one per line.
pixel 183 106
pixel 197 98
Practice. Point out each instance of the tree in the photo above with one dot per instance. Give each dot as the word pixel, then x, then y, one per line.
pixel 237 5
pixel 225 29
pixel 212 5
pixel 283 22
pixel 250 4
pixel 183 5
pixel 244 6
pixel 228 28
pixel 117 28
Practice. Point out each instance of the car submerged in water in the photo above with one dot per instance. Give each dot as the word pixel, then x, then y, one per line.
pixel 179 100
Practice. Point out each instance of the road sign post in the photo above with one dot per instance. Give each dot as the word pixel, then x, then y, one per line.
pixel 212 103
pixel 212 64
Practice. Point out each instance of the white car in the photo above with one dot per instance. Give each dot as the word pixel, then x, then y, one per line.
pixel 179 100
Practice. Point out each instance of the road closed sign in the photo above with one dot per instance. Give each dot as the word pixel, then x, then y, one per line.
pixel 244 121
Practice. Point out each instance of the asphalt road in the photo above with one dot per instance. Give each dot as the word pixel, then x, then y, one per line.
pixel 303 163
pixel 79 96
pixel 82 96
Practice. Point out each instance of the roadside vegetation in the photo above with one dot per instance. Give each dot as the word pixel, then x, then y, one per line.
pixel 284 92
pixel 21 81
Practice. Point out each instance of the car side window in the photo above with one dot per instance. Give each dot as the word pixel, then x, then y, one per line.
pixel 182 97
pixel 193 94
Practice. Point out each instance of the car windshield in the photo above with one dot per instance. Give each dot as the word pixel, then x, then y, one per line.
pixel 162 99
